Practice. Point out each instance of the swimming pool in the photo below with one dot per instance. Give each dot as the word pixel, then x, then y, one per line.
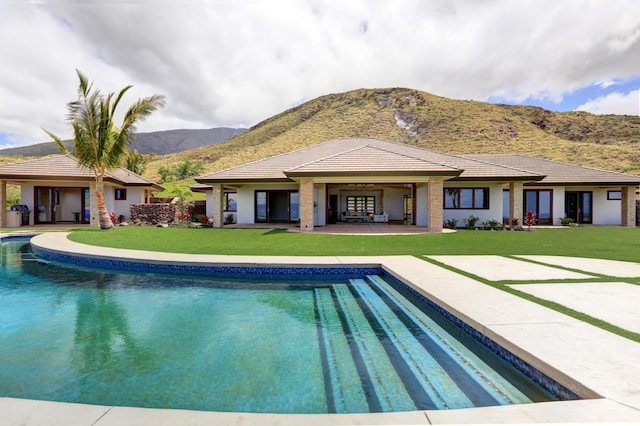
pixel 153 340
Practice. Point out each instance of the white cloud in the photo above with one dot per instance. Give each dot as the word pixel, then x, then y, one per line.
pixel 614 103
pixel 223 63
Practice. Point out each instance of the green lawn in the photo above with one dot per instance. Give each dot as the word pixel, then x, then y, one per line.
pixel 598 242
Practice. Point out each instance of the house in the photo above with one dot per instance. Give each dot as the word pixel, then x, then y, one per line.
pixel 358 179
pixel 58 189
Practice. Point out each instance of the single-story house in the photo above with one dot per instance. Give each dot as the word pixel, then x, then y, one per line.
pixel 355 179
pixel 58 189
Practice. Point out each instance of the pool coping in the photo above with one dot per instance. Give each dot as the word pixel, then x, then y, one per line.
pixel 542 337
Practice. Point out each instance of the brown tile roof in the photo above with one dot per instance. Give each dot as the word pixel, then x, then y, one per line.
pixel 368 159
pixel 328 156
pixel 66 167
pixel 556 172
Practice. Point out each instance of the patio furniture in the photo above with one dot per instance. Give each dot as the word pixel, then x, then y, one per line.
pixel 382 217
pixel 356 216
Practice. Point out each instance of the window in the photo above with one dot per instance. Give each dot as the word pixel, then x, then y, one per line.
pixel 121 194
pixel 540 202
pixel 230 201
pixel 361 203
pixel 466 198
pixel 614 195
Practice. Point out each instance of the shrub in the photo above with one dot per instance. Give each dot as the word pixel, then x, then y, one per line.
pixel 530 219
pixel 567 221
pixel 451 223
pixel 470 222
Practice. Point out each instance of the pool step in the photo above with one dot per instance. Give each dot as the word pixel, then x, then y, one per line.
pixel 345 393
pixel 480 382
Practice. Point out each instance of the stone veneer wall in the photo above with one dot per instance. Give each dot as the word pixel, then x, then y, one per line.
pixel 154 213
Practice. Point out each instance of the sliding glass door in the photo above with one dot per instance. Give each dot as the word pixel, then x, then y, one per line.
pixel 276 206
pixel 539 201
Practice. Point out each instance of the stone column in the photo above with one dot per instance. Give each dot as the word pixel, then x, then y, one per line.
pixel 435 205
pixel 93 206
pixel 216 201
pixel 628 206
pixel 306 204
pixel 3 202
pixel 516 203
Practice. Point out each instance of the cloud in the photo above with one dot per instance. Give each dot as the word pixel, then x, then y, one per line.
pixel 224 63
pixel 614 103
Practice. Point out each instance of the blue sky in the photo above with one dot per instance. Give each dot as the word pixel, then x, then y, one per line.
pixel 234 64
pixel 577 99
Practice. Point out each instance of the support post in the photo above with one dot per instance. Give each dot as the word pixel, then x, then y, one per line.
pixel 435 205
pixel 216 202
pixel 3 202
pixel 628 206
pixel 306 204
pixel 516 203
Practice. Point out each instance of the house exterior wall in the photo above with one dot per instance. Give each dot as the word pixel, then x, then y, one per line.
pixel 122 207
pixel 394 202
pixel 246 199
pixel 494 212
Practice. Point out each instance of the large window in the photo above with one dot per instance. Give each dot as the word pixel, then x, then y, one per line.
pixel 230 201
pixel 540 202
pixel 361 203
pixel 466 198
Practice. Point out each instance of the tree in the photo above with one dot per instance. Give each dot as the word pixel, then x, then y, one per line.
pixel 100 144
pixel 136 162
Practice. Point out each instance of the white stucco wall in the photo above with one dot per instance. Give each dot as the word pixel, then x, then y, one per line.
pixel 494 212
pixel 421 204
pixel 246 199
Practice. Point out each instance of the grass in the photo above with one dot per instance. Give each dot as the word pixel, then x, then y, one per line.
pixel 616 243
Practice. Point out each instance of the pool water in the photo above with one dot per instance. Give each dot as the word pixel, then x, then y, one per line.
pixel 201 343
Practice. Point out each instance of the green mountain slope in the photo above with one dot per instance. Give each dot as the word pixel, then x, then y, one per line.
pixel 418 118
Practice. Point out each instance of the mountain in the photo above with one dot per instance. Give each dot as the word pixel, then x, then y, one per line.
pixel 163 142
pixel 610 142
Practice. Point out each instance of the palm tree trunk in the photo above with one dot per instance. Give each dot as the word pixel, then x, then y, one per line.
pixel 103 213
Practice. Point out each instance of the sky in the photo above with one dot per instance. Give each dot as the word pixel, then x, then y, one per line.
pixel 234 63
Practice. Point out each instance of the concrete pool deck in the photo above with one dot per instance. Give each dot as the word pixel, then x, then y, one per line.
pixel 588 360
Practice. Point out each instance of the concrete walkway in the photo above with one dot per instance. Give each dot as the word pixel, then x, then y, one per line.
pixel 588 360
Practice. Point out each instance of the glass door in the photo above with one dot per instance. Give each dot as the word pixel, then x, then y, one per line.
pixel 539 201
pixel 579 205
pixel 45 205
pixel 277 206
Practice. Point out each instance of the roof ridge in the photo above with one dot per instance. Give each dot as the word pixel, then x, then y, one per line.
pixel 325 157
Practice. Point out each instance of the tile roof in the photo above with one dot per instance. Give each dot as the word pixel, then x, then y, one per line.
pixel 370 159
pixel 359 155
pixel 66 167
pixel 556 172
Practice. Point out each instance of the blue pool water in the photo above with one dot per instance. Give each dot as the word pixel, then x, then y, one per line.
pixel 153 340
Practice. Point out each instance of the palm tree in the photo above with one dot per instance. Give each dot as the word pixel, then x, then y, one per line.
pixel 136 162
pixel 100 144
